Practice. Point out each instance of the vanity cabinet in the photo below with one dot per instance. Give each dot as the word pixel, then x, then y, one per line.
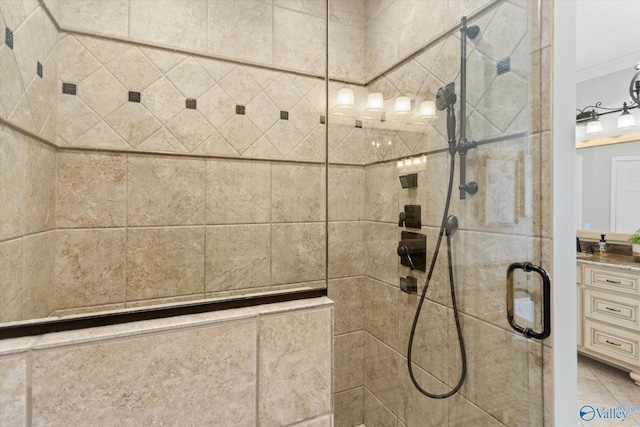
pixel 609 309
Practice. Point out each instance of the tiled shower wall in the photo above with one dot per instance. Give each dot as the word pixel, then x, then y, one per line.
pixel 28 64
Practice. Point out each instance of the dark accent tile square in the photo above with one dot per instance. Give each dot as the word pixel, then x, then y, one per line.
pixel 240 109
pixel 39 69
pixel 359 124
pixel 8 37
pixel 504 66
pixel 284 115
pixel 323 120
pixel 191 104
pixel 134 96
pixel 69 88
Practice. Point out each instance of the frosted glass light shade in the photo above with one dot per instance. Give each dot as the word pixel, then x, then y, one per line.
pixel 375 102
pixel 594 127
pixel 403 105
pixel 626 120
pixel 345 97
pixel 427 110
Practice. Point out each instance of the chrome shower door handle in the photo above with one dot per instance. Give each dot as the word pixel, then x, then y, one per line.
pixel 546 300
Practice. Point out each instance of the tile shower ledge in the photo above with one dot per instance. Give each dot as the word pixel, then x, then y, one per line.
pixel 620 262
pixel 59 339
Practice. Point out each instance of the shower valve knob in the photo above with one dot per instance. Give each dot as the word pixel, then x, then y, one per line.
pixel 405 251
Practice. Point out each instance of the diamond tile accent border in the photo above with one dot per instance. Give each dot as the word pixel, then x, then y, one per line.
pixel 69 88
pixel 39 69
pixel 134 96
pixel 191 104
pixel 8 37
pixel 240 109
pixel 284 115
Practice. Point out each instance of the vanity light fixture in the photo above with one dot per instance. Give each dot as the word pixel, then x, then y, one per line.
pixel 345 97
pixel 427 110
pixel 375 102
pixel 590 115
pixel 402 105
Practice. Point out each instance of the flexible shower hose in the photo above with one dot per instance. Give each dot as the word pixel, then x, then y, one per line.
pixel 453 298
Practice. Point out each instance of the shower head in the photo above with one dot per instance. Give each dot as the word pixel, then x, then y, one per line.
pixel 472 31
pixel 445 97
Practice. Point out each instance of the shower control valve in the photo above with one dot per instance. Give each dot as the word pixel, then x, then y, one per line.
pixel 412 250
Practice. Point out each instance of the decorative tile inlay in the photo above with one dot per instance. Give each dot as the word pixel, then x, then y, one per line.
pixel 240 109
pixel 8 38
pixel 69 88
pixel 284 115
pixel 504 66
pixel 323 120
pixel 39 69
pixel 134 96
pixel 359 124
pixel 191 104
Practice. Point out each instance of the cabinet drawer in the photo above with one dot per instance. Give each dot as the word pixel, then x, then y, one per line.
pixel 612 308
pixel 612 342
pixel 578 274
pixel 607 278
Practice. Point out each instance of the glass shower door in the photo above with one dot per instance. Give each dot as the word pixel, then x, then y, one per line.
pixel 384 162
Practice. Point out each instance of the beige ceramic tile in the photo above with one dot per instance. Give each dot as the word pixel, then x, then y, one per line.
pixel 349 361
pixel 12 88
pixel 254 42
pixel 465 413
pixel 133 69
pixel 346 249
pixel 416 409
pixel 381 311
pixel 75 61
pixel 239 132
pixel 294 366
pixel 376 413
pixel 310 7
pixel 39 187
pixel 12 183
pixel 286 138
pixel 22 116
pixel 297 193
pixel 190 128
pixel 91 190
pixel 102 92
pixel 170 22
pixel 158 368
pixel 381 41
pixel 431 348
pixel 164 262
pixel 238 192
pixel 323 421
pixel 240 86
pixel 346 51
pixel 216 106
pixel 349 407
pixel 164 141
pixel 419 22
pixel 163 100
pixel 298 40
pixel 103 50
pixel 284 93
pixel 11 287
pixel 90 267
pixel 237 257
pixel 190 78
pixel 381 192
pixel 501 37
pixel 101 135
pixel 348 12
pixel 96 16
pixel 13 390
pixel 381 258
pixel 349 304
pixel 24 50
pixel 42 93
pixel 381 372
pixel 39 267
pixel 346 192
pixel 74 118
pixel 165 191
pixel 262 112
pixel 297 252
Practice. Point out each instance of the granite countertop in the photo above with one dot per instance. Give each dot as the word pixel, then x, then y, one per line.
pixel 610 260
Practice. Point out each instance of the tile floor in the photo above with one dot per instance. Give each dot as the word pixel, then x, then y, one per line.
pixel 603 386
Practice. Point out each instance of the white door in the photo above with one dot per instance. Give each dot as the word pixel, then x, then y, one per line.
pixel 625 194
